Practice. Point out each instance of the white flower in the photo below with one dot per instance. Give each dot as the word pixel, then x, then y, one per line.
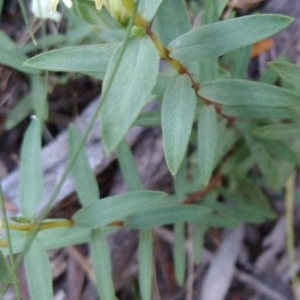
pixel 46 9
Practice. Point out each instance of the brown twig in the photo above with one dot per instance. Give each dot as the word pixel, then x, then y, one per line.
pixel 198 194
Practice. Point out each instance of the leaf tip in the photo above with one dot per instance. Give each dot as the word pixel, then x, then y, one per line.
pixel 27 63
pixel 173 165
pixel 173 171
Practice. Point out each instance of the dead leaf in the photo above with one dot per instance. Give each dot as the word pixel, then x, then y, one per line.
pixel 262 46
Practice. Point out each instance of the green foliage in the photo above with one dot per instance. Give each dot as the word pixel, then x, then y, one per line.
pixel 174 213
pixel 96 59
pixel 39 97
pixel 173 13
pixel 145 257
pixel 11 56
pixel 84 179
pixel 115 208
pixel 178 109
pixel 38 270
pixel 19 112
pixel 100 257
pixel 278 131
pixel 133 83
pixel 207 143
pixel 199 45
pixel 198 236
pixel 243 92
pixel 31 170
pixel 128 168
pixel 4 269
pixel 148 9
pixel 216 125
pixel 179 252
pixel 288 72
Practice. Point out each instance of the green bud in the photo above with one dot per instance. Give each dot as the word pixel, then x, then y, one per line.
pixel 138 31
pixel 117 11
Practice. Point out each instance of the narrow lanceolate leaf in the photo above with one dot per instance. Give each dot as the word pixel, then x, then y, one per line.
pixel 219 38
pixel 178 213
pixel 84 179
pixel 12 56
pixel 288 72
pixel 259 112
pixel 117 208
pixel 19 112
pixel 152 118
pixel 179 252
pixel 243 92
pixel 282 150
pixel 173 13
pixel 38 272
pixel 198 235
pixel 15 61
pixel 31 176
pixel 64 237
pixel 278 131
pixel 128 167
pixel 84 59
pixel 129 91
pixel 149 8
pixel 210 12
pixel 39 96
pixel 238 61
pixel 264 160
pixel 101 262
pixel 145 256
pixel 178 110
pixel 4 270
pixel 241 211
pixel 207 142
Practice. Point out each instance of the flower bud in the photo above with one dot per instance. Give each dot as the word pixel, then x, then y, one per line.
pixel 118 11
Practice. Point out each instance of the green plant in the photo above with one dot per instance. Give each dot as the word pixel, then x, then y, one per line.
pixel 229 124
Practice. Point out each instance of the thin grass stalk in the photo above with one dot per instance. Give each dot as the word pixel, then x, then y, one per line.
pixel 10 247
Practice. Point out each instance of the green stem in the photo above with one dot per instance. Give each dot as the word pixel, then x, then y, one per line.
pixel 10 247
pixel 164 54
